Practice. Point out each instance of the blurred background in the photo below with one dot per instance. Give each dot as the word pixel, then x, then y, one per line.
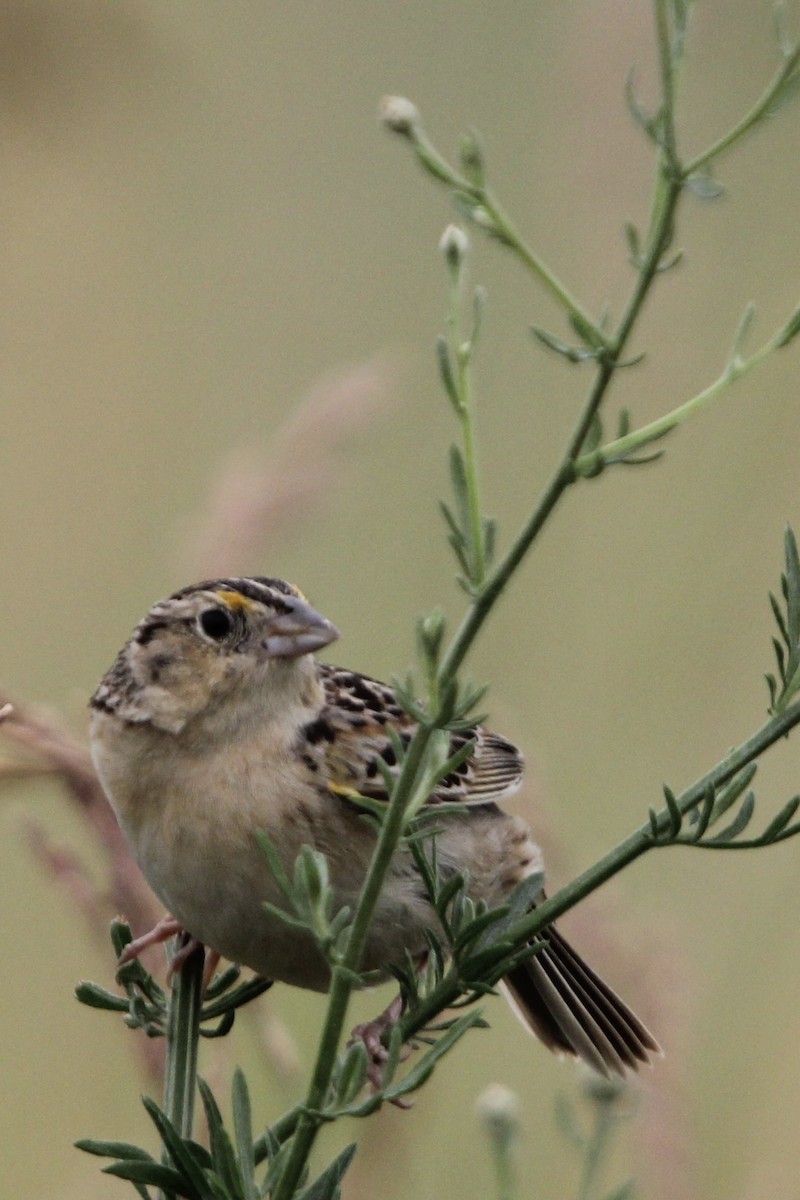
pixel 221 293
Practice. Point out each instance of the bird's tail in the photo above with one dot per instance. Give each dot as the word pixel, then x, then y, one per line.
pixel 573 1011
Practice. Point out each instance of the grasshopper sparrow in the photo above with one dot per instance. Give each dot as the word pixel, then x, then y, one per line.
pixel 216 720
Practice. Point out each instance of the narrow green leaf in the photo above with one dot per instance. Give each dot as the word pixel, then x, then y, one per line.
pixel 423 1069
pixel 179 1150
pixel 243 1130
pixel 480 924
pixel 781 658
pixel 458 476
pixel 352 1073
pixel 573 354
pixel 633 240
pixel 121 936
pixel 275 864
pixel 792 587
pixel 624 423
pixel 447 890
pixel 455 529
pixel 740 336
pixel 166 1178
pixel 702 184
pixel 285 917
pixel 480 298
pixel 95 996
pixel 121 1150
pixel 790 329
pixel 247 990
pixel 456 759
pixel 327 1186
pixel 222 1151
pixel 222 981
pixel 489 538
pixel 776 611
pixel 728 795
pixel 446 373
pixel 471 155
pixel 641 116
pixel 738 824
pixel 779 823
pixel 675 814
pixel 702 816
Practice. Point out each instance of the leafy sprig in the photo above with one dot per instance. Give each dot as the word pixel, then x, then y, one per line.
pixel 146 1004
pixel 784 687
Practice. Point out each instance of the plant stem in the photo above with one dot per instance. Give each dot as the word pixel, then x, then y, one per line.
pixel 757 113
pixel 632 847
pixel 343 978
pixel 596 1149
pixel 620 448
pixel 183 1036
pixel 509 236
pixel 666 63
pixel 471 468
pixel 666 194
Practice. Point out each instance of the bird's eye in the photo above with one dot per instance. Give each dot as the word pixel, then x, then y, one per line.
pixel 216 623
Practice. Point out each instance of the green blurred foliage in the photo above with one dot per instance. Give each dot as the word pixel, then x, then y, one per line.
pixel 200 218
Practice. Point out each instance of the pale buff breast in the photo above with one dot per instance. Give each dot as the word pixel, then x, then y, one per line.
pixel 191 818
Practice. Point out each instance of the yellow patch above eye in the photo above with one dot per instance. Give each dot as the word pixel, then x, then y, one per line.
pixel 236 601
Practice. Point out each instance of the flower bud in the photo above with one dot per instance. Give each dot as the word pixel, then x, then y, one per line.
pixel 399 114
pixel 498 1108
pixel 454 245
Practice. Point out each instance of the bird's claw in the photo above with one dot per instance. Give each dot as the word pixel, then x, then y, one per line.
pixel 371 1035
pixel 161 932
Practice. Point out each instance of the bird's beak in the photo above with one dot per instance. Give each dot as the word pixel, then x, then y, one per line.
pixel 299 631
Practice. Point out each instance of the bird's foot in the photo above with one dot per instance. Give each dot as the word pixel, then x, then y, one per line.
pixel 161 932
pixel 371 1034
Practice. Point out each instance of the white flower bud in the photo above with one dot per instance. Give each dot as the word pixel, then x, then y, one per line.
pixel 399 114
pixel 454 245
pixel 498 1108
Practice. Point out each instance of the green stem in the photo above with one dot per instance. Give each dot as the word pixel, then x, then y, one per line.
pixel 504 1168
pixel 595 1152
pixel 620 448
pixel 342 979
pixel 183 1037
pixel 471 468
pixel 638 843
pixel 757 113
pixel 666 64
pixel 509 236
pixel 666 195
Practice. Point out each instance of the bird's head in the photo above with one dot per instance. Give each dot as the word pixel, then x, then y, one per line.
pixel 211 642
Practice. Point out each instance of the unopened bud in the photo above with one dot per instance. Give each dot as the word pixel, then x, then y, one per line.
pixel 498 1108
pixel 399 114
pixel 454 245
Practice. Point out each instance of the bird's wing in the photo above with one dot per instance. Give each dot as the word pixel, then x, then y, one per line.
pixel 344 745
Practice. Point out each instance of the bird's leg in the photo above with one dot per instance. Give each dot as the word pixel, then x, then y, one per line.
pixel 371 1034
pixel 166 928
pixel 161 932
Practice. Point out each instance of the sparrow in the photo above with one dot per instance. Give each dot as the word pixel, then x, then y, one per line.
pixel 217 721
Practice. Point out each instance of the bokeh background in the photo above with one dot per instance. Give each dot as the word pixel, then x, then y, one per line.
pixel 221 292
